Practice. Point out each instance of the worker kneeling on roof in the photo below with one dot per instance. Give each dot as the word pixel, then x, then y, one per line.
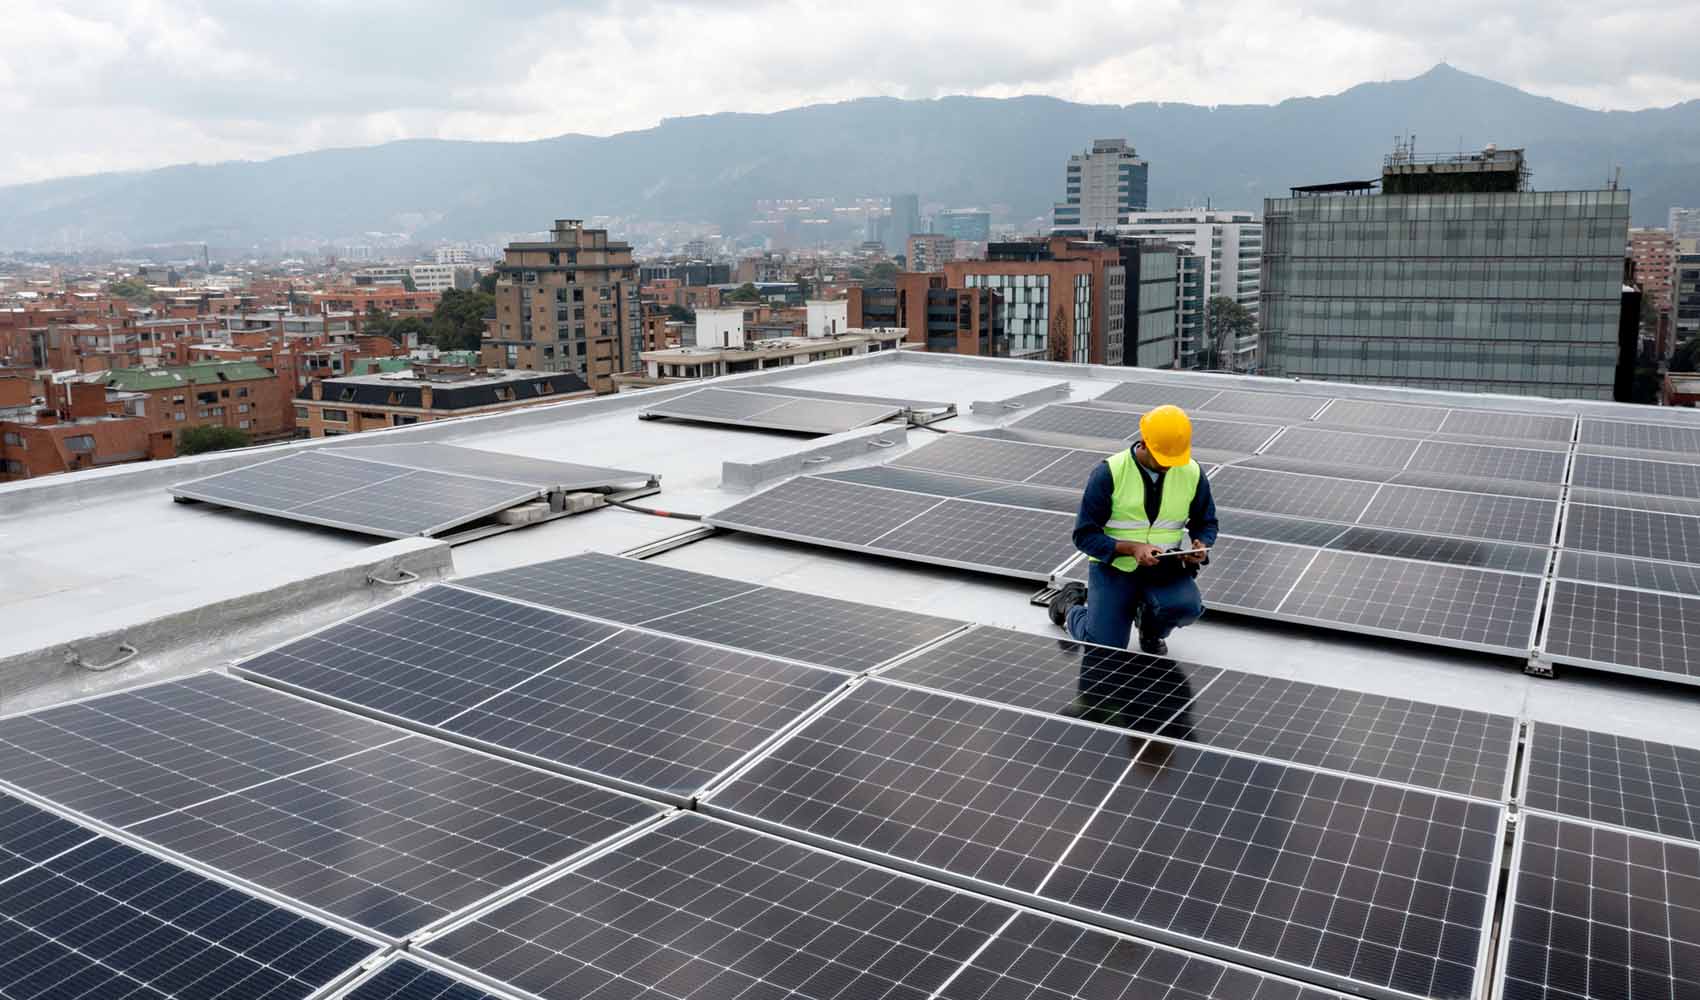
pixel 1138 506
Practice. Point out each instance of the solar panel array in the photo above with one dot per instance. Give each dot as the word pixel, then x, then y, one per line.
pixel 808 415
pixel 394 491
pixel 1604 897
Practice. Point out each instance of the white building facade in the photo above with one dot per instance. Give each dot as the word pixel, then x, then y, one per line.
pixel 1101 187
pixel 1228 246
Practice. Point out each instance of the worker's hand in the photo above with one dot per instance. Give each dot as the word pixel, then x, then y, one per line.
pixel 1196 556
pixel 1142 553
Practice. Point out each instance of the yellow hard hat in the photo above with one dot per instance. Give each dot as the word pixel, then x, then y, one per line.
pixel 1167 433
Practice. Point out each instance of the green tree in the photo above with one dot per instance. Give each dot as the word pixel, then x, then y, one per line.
pixel 746 292
pixel 681 314
pixel 1686 357
pixel 458 323
pixel 885 272
pixel 1225 322
pixel 487 283
pixel 407 283
pixel 213 437
pixel 131 290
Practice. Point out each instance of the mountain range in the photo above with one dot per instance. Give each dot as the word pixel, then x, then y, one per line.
pixel 957 151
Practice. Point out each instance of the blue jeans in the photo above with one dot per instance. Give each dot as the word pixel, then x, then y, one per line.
pixel 1165 603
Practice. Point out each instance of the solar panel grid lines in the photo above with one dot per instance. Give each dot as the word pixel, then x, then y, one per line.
pixel 983 796
pixel 1634 501
pixel 982 457
pixel 1640 436
pixel 403 978
pixel 1490 461
pixel 792 508
pixel 1252 575
pixel 963 487
pixel 706 909
pixel 1279 528
pixel 1480 609
pixel 1292 494
pixel 1503 424
pixel 1462 515
pixel 30 835
pixel 399 837
pixel 656 714
pixel 1629 475
pixel 124 757
pixel 422 657
pixel 108 919
pixel 1267 404
pixel 1644 534
pixel 1144 395
pixel 1394 416
pixel 1115 425
pixel 1613 780
pixel 1525 559
pixel 1595 911
pixel 431 456
pixel 1678 579
pixel 611 588
pixel 1357 884
pixel 1344 447
pixel 1069 471
pixel 1000 539
pixel 1627 631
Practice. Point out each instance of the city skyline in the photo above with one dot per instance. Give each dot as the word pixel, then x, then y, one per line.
pixel 121 85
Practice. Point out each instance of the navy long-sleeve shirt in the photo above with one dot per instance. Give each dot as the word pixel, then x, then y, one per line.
pixel 1089 524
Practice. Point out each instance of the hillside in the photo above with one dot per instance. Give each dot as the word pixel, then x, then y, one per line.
pixel 958 150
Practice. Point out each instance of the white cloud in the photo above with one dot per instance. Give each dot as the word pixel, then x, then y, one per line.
pixel 118 84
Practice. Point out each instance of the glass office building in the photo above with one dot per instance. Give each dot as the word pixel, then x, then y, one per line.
pixel 1506 292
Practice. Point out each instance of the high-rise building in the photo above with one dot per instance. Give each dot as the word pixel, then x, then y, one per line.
pixel 1102 186
pixel 941 319
pixel 1061 298
pixel 966 224
pixel 1685 223
pixel 567 304
pixel 1228 247
pixel 929 251
pixel 904 222
pixel 1685 290
pixel 1151 332
pixel 1462 279
pixel 1654 253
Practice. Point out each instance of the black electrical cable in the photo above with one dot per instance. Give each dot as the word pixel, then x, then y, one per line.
pixel 623 505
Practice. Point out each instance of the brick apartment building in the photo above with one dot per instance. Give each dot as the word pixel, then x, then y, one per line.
pixel 939 318
pixel 1063 298
pixel 239 394
pixel 424 393
pixel 1654 253
pixel 358 300
pixel 570 304
pixel 73 427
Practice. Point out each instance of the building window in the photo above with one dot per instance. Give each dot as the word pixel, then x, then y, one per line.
pixel 13 439
pixel 371 416
pixel 301 413
pixel 80 442
pixel 331 434
pixel 340 416
pixel 242 394
pixel 401 421
pixel 243 408
pixel 245 424
pixel 179 415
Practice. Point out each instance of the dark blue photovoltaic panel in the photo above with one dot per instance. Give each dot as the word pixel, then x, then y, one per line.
pixel 29 835
pixel 430 655
pixel 400 836
pixel 703 909
pixel 1375 884
pixel 403 979
pixel 109 921
pixel 125 757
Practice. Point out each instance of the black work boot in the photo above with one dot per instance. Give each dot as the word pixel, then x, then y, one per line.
pixel 1153 645
pixel 1067 596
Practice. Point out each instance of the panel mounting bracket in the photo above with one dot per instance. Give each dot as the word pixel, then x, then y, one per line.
pixel 1538 665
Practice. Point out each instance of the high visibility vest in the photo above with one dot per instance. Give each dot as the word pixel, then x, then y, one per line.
pixel 1129 520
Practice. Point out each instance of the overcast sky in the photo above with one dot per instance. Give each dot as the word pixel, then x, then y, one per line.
pixel 92 86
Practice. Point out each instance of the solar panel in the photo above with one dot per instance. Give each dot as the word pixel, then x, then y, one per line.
pixel 1230 436
pixel 1080 680
pixel 823 630
pixel 615 588
pixel 1469 515
pixel 941 485
pixel 29 835
pixel 1489 462
pixel 1145 395
pixel 1498 424
pixel 1006 540
pixel 404 979
pixel 397 837
pixel 782 389
pixel 124 757
pixel 1394 416
pixel 1310 497
pixel 1641 436
pixel 1100 422
pixel 1628 475
pixel 369 497
pixel 1593 912
pixel 1439 549
pixel 814 509
pixel 1372 736
pixel 1070 471
pixel 1266 404
pixel 1640 533
pixel 703 909
pixel 1037 958
pixel 428 656
pixel 1635 501
pixel 987 458
pixel 1456 605
pixel 1617 780
pixel 987 794
pixel 432 456
pixel 1634 574
pixel 1248 575
pixel 1269 527
pixel 1620 629
pixel 1344 447
pixel 750 409
pixel 107 920
pixel 660 714
pixel 1374 885
pixel 1476 484
pixel 1316 467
